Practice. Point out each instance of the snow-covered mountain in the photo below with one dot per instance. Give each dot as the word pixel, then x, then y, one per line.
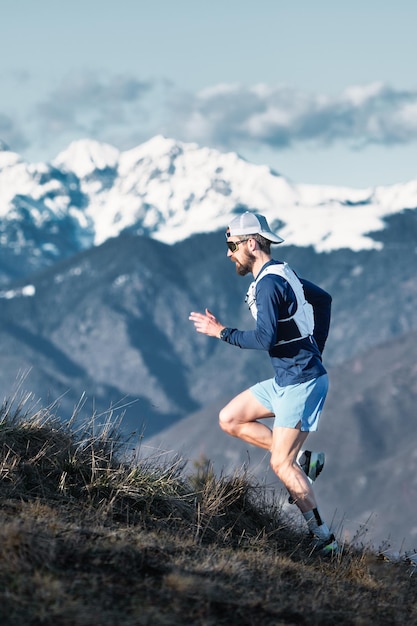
pixel 170 190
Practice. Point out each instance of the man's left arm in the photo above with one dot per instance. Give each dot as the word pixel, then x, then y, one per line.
pixel 321 301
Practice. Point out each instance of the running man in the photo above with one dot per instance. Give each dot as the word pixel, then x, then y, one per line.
pixel 292 323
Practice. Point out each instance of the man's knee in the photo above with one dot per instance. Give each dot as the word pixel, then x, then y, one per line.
pixel 227 421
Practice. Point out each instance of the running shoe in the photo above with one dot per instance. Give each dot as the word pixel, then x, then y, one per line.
pixel 326 547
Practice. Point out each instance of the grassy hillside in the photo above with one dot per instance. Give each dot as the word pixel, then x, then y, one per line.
pixel 91 535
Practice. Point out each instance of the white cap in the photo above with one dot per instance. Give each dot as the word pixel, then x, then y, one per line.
pixel 250 224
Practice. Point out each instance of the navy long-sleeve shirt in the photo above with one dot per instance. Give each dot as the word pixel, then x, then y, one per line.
pixel 298 361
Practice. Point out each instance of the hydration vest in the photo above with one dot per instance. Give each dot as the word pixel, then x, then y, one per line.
pixel 297 326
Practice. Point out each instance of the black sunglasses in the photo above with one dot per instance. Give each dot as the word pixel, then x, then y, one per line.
pixel 234 245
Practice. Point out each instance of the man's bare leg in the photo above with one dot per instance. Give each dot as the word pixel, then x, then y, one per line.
pixel 239 419
pixel 286 444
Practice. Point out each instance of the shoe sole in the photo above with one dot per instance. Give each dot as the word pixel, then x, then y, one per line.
pixel 314 463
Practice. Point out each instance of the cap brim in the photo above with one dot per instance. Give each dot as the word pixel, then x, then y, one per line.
pixel 272 237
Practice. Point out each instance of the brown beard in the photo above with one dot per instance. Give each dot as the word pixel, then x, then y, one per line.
pixel 247 264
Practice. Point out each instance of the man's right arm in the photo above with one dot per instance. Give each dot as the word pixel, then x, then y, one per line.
pixel 263 337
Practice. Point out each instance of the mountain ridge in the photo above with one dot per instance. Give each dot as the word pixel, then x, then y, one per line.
pixel 112 321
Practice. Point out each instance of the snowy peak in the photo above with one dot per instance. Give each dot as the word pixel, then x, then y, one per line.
pixel 85 156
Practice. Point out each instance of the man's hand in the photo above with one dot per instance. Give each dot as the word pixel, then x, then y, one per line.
pixel 206 323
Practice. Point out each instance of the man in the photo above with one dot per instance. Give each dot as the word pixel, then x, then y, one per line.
pixel 292 323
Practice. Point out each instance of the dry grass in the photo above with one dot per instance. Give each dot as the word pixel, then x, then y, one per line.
pixel 91 536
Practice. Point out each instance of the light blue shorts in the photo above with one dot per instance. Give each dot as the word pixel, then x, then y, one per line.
pixel 301 403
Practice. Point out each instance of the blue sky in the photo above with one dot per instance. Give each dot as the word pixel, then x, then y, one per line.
pixel 324 92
